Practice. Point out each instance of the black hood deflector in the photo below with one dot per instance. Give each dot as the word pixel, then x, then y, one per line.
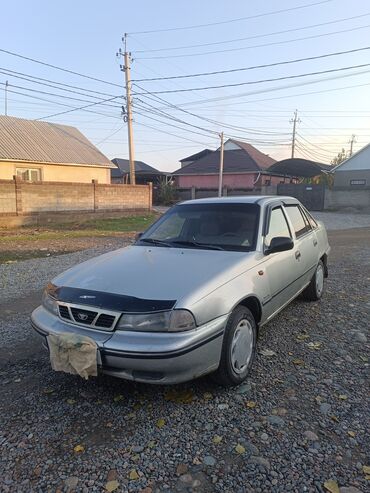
pixel 110 301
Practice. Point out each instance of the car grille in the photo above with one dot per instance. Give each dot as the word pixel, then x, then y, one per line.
pixel 83 316
pixel 64 312
pixel 94 319
pixel 105 321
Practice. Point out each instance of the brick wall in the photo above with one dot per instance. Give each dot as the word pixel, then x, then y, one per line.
pixel 21 198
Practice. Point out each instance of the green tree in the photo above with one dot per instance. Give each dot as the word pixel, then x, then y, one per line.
pixel 340 157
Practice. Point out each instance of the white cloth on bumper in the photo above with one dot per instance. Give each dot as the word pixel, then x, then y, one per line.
pixel 73 353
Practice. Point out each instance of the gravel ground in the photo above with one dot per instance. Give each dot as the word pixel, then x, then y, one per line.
pixel 343 220
pixel 300 419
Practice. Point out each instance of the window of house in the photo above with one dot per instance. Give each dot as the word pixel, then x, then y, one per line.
pixel 358 182
pixel 278 225
pixel 29 174
pixel 300 224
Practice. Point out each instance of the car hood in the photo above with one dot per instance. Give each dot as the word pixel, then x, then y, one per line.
pixel 156 273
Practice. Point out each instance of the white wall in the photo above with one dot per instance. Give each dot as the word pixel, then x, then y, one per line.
pixel 359 161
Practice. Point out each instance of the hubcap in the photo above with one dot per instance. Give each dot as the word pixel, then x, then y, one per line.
pixel 242 346
pixel 319 279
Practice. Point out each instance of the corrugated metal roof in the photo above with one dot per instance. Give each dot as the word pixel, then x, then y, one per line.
pixel 31 140
pixel 304 168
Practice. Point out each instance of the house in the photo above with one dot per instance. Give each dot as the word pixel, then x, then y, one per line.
pixel 194 157
pixel 144 173
pixel 354 172
pixel 42 151
pixel 245 167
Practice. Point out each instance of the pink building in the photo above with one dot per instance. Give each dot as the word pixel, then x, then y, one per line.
pixel 245 167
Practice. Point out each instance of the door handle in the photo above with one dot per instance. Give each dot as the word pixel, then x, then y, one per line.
pixel 314 242
pixel 297 254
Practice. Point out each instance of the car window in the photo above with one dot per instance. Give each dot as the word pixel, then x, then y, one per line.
pixel 169 229
pixel 227 226
pixel 310 219
pixel 278 226
pixel 300 225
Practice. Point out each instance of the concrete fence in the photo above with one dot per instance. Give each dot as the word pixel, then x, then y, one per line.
pixel 333 199
pixel 20 198
pixel 344 197
pixel 201 193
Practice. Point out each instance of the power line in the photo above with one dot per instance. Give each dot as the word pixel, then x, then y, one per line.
pixel 63 96
pixel 169 133
pixel 58 103
pixel 253 67
pixel 76 109
pixel 314 145
pixel 58 68
pixel 258 141
pixel 196 26
pixel 314 152
pixel 314 36
pixel 172 48
pixel 28 77
pixel 214 122
pixel 216 99
pixel 109 136
pixel 237 84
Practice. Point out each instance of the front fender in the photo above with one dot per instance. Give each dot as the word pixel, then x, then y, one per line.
pixel 225 298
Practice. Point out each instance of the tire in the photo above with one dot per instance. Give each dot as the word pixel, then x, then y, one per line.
pixel 235 363
pixel 315 289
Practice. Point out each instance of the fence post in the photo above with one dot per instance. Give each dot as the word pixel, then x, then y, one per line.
pixel 94 183
pixel 18 194
pixel 150 185
pixel 193 193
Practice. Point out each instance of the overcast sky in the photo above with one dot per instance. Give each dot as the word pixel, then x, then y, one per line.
pixel 84 37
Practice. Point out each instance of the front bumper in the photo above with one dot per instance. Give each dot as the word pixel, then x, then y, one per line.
pixel 163 358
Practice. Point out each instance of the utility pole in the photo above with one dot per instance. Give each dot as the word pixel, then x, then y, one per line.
pixel 295 120
pixel 221 165
pixel 352 141
pixel 6 97
pixel 131 151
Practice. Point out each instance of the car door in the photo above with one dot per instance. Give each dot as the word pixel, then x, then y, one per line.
pixel 305 240
pixel 283 269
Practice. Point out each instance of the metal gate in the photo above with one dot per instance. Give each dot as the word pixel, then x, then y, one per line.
pixel 311 196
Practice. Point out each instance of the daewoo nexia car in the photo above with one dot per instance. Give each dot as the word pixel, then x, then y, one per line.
pixel 187 298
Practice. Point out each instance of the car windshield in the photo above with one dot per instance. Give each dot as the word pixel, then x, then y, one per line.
pixel 222 226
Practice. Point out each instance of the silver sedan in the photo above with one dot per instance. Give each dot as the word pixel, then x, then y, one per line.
pixel 189 297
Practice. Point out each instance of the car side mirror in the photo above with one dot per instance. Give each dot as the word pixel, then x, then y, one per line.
pixel 138 236
pixel 279 244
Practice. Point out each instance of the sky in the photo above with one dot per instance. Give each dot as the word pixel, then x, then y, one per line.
pixel 174 118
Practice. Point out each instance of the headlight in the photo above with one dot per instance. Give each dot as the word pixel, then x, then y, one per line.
pixel 171 321
pixel 49 303
pixel 48 299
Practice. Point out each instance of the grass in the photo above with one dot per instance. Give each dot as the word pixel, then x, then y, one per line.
pixel 81 229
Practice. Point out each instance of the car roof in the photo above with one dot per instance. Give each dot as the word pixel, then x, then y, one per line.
pixel 243 199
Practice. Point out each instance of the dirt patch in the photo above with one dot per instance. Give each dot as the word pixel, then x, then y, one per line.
pixel 15 249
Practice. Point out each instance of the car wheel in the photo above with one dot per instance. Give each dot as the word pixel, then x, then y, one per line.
pixel 315 289
pixel 238 348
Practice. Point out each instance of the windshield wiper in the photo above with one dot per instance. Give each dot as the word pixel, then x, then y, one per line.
pixel 196 244
pixel 153 241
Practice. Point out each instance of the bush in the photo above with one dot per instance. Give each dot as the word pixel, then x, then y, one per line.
pixel 166 193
